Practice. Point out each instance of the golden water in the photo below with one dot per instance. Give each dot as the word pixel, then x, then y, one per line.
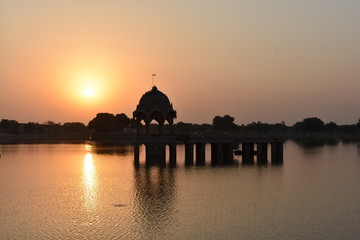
pixel 76 191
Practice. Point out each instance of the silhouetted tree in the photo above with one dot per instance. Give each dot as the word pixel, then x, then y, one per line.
pixel 279 126
pixel 74 127
pixel 310 125
pixel 52 127
pixel 30 127
pixel 261 127
pixel 9 126
pixel 205 127
pixel 103 122
pixel 133 123
pixel 224 123
pixel 184 127
pixel 349 129
pixel 122 121
pixel 331 127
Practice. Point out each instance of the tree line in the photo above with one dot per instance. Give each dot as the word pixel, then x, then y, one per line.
pixel 49 127
pixel 103 122
pixel 310 125
pixel 107 122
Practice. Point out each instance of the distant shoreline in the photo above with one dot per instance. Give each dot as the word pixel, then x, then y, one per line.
pixel 42 138
pixel 128 139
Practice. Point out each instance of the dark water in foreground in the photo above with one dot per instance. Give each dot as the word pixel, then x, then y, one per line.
pixel 73 191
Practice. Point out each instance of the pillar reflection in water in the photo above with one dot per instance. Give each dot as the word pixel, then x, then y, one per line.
pixel 89 180
pixel 155 199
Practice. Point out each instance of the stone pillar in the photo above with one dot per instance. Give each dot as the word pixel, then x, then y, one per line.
pixel 277 152
pixel 172 153
pixel 200 154
pixel 216 153
pixel 136 154
pixel 147 128
pixel 189 154
pixel 155 154
pixel 262 153
pixel 138 126
pixel 228 153
pixel 171 127
pixel 248 153
pixel 160 128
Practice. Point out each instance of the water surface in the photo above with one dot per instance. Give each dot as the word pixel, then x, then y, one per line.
pixel 76 191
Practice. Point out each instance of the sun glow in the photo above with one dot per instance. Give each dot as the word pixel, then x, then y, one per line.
pixel 89 84
pixel 89 87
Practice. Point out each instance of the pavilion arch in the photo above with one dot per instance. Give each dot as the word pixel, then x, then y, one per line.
pixel 157 116
pixel 141 116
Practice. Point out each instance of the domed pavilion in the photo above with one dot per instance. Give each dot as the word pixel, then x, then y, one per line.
pixel 154 105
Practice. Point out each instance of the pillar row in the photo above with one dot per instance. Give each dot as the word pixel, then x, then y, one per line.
pixel 262 153
pixel 228 153
pixel 200 154
pixel 216 153
pixel 189 154
pixel 155 154
pixel 172 153
pixel 277 152
pixel 248 152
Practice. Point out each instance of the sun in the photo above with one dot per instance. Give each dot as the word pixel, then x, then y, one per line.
pixel 89 92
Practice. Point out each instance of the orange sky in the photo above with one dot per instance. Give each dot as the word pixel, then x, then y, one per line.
pixel 267 61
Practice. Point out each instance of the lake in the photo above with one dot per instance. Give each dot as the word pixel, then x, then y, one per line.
pixel 79 191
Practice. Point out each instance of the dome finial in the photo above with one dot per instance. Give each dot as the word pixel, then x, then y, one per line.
pixel 152 78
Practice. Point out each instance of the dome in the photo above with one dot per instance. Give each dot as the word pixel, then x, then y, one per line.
pixel 154 99
pixel 154 105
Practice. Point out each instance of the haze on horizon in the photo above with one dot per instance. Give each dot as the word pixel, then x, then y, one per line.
pixel 268 61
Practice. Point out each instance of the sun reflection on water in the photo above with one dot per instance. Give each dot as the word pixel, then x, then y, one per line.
pixel 89 182
pixel 88 147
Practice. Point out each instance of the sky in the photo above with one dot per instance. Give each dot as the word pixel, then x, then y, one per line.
pixel 269 61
